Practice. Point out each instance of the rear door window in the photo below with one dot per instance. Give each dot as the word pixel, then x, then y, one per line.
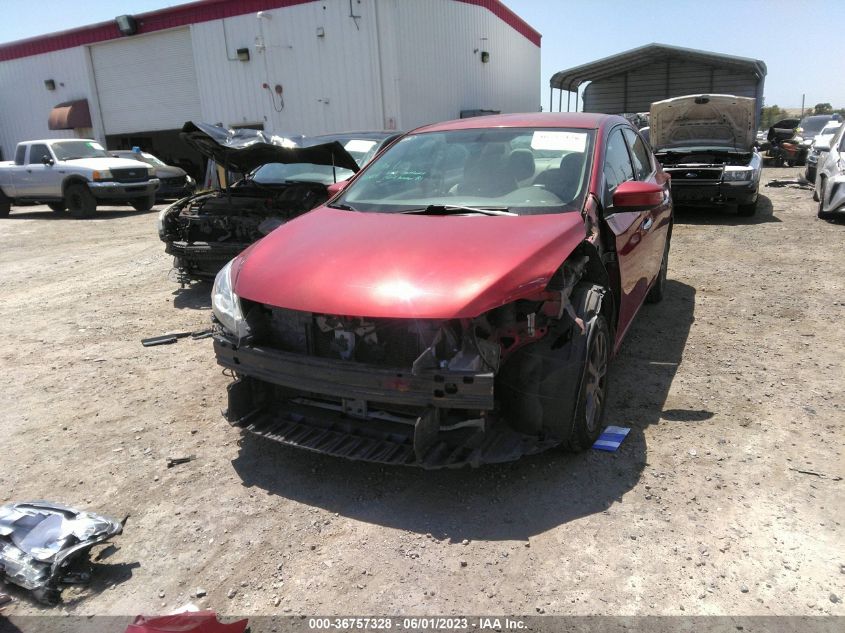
pixel 20 154
pixel 37 154
pixel 639 154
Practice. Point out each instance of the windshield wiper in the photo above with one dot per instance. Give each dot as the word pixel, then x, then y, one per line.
pixel 451 209
pixel 342 207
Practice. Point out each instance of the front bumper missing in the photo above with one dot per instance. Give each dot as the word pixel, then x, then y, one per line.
pixel 714 193
pixel 359 428
pixel 202 260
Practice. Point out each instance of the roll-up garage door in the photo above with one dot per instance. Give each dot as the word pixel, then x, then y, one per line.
pixel 147 82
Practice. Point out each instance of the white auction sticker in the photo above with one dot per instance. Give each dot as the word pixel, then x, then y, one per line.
pixel 559 141
pixel 359 145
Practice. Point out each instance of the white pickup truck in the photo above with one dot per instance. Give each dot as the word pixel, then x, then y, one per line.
pixel 74 175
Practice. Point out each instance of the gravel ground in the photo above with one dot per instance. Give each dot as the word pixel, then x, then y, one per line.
pixel 726 498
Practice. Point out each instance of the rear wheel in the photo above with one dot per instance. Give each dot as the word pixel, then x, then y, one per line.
pixel 57 207
pixel 5 205
pixel 143 204
pixel 592 397
pixel 80 201
pixel 821 213
pixel 655 295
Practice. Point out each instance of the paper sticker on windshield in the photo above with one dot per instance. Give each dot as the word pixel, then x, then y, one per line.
pixel 359 145
pixel 559 141
pixel 94 146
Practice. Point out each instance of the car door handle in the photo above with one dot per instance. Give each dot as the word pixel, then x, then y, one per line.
pixel 646 225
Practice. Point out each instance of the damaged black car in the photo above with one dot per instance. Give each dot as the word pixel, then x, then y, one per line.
pixel 280 179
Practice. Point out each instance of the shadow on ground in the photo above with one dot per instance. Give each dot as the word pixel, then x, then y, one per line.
pixel 503 502
pixel 197 296
pixel 46 214
pixel 726 215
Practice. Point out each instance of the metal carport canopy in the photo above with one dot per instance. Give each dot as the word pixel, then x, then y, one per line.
pixel 572 78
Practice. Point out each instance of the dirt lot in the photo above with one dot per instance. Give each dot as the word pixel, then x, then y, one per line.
pixel 732 387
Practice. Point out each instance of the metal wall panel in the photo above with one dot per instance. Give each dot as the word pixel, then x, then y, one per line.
pixel 636 90
pixel 147 82
pixel 25 103
pixel 440 66
pixel 330 82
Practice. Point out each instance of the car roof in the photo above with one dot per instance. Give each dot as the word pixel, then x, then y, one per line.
pixel 582 120
pixel 47 141
pixel 348 136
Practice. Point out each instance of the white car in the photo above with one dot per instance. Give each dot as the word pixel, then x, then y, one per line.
pixel 830 179
pixel 815 155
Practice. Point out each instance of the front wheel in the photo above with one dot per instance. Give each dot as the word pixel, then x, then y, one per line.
pixel 80 202
pixel 143 204
pixel 746 210
pixel 592 397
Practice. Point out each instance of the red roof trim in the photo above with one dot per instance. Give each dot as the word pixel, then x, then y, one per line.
pixel 508 17
pixel 201 11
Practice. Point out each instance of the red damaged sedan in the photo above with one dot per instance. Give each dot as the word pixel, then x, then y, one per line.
pixel 458 301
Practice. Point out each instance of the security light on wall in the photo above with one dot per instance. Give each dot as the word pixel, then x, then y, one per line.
pixel 485 57
pixel 243 54
pixel 126 24
pixel 50 84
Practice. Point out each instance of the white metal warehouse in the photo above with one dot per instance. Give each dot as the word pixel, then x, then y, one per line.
pixel 287 66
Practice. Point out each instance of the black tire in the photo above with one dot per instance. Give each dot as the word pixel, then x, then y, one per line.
pixel 57 207
pixel 80 202
pixel 592 396
pixel 5 209
pixel 746 210
pixel 655 295
pixel 821 214
pixel 143 204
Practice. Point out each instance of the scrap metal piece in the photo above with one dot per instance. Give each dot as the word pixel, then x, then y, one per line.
pixel 39 540
pixel 173 461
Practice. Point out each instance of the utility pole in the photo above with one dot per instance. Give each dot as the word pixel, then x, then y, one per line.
pixel 802 106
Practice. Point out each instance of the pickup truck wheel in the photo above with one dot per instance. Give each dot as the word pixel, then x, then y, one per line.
pixel 746 210
pixel 80 202
pixel 5 209
pixel 143 204
pixel 592 397
pixel 57 207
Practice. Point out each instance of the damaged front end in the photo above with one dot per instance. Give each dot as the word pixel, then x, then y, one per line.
pixel 280 180
pixel 205 231
pixel 42 545
pixel 712 177
pixel 424 392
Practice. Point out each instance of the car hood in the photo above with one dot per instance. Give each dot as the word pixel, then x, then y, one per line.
pixel 703 120
pixel 107 162
pixel 244 150
pixel 405 266
pixel 170 172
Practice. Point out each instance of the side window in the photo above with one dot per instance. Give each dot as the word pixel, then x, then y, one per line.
pixel 37 154
pixel 617 162
pixel 20 154
pixel 639 153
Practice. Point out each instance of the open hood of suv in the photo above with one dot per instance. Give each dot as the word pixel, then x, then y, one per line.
pixel 244 150
pixel 703 121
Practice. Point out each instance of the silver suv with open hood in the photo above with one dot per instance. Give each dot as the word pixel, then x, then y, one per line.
pixel 706 143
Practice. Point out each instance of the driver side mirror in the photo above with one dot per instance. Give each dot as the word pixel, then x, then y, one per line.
pixel 46 160
pixel 634 195
pixel 337 187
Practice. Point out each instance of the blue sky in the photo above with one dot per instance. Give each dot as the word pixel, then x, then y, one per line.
pixel 800 41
